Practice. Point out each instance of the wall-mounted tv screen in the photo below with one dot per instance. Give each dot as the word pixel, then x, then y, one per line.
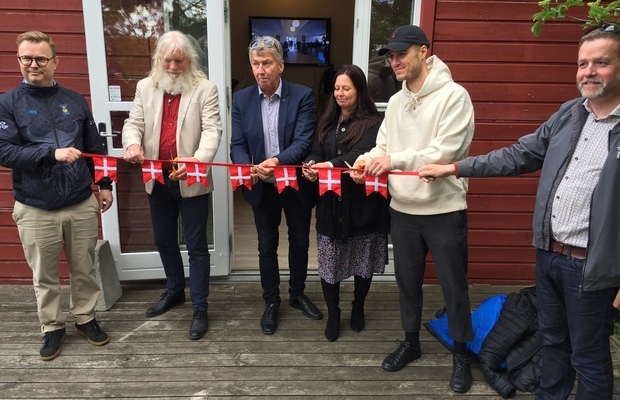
pixel 305 41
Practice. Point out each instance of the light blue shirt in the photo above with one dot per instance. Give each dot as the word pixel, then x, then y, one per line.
pixel 270 109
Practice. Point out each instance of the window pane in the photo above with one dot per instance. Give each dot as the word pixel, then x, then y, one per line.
pixel 131 28
pixel 385 16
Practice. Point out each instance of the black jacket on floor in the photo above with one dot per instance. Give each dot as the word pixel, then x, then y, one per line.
pixel 515 338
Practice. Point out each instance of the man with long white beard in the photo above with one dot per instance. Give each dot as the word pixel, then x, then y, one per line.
pixel 176 118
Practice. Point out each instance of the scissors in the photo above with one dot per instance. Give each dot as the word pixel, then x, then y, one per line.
pixel 175 165
pixel 351 171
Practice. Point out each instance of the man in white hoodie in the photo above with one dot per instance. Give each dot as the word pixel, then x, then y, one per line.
pixel 430 120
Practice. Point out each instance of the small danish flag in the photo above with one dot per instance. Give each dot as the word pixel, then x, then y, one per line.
pixel 330 179
pixel 240 176
pixel 377 184
pixel 196 173
pixel 151 169
pixel 286 176
pixel 104 166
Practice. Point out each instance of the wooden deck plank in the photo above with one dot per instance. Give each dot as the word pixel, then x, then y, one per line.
pixel 153 358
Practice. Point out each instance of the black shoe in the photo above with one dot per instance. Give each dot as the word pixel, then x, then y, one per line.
pixel 51 344
pixel 404 354
pixel 304 304
pixel 357 317
pixel 93 332
pixel 332 330
pixel 165 303
pixel 269 321
pixel 461 374
pixel 199 325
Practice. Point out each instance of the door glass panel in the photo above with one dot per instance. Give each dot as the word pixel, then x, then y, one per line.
pixel 386 15
pixel 131 29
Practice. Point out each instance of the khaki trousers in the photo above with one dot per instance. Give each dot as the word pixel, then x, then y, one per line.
pixel 43 235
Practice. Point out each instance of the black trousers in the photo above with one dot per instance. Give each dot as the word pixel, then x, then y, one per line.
pixel 267 217
pixel 445 236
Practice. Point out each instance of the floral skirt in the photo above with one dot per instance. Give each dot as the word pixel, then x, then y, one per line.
pixel 361 255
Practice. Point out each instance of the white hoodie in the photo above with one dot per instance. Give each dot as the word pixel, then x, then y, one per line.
pixel 435 125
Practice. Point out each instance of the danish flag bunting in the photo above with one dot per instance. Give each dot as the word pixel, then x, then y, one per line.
pixel 240 176
pixel 104 166
pixel 151 169
pixel 286 176
pixel 197 173
pixel 377 184
pixel 330 179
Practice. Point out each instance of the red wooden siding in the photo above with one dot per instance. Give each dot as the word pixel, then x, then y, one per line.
pixel 516 81
pixel 64 22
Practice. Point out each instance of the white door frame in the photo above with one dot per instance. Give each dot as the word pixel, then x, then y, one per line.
pixel 147 265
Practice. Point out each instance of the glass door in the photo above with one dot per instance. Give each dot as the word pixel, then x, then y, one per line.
pixel 375 20
pixel 120 38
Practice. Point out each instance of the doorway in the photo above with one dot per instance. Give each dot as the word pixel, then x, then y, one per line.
pixel 120 36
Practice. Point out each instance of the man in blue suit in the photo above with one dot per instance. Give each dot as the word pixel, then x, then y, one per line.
pixel 273 123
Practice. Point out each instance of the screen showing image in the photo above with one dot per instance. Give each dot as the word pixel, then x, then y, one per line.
pixel 305 41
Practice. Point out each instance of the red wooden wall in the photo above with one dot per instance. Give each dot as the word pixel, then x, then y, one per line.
pixel 64 22
pixel 516 81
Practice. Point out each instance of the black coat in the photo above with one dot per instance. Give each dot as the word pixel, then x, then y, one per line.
pixel 354 213
pixel 515 338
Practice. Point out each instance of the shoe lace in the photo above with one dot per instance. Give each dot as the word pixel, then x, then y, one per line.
pixel 459 364
pixel 47 339
pixel 271 310
pixel 95 326
pixel 200 314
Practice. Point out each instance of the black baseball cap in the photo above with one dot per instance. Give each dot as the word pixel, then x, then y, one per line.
pixel 405 37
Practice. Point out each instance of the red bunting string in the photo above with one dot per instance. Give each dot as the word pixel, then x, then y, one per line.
pixel 329 177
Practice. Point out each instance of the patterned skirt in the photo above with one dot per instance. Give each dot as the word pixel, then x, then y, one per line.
pixel 362 255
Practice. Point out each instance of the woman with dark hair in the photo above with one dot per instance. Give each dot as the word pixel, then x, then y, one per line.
pixel 352 228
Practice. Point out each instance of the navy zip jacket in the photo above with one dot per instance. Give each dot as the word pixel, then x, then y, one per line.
pixel 34 122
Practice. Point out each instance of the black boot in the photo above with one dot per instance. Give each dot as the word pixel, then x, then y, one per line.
pixel 332 330
pixel 357 316
pixel 331 293
pixel 362 286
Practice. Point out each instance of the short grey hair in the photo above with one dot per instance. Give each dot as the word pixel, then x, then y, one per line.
pixel 260 49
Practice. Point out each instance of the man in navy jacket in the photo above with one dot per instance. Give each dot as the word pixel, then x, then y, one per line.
pixel 44 131
pixel 273 123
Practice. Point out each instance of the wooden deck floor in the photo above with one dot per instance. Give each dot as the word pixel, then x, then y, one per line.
pixel 153 358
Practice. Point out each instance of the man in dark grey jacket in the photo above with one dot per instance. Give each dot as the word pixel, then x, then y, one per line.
pixel 576 231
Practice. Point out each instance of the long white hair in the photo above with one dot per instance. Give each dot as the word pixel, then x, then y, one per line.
pixel 169 43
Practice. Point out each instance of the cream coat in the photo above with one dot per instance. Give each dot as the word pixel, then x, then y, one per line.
pixel 199 127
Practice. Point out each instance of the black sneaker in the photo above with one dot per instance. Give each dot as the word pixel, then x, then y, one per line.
pixel 51 344
pixel 91 330
pixel 461 379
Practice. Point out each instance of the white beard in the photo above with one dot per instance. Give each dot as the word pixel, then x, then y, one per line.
pixel 174 86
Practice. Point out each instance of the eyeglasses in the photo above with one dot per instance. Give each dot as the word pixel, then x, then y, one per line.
pixel 611 28
pixel 27 61
pixel 268 43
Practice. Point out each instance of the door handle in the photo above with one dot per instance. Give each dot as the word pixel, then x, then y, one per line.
pixel 103 130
